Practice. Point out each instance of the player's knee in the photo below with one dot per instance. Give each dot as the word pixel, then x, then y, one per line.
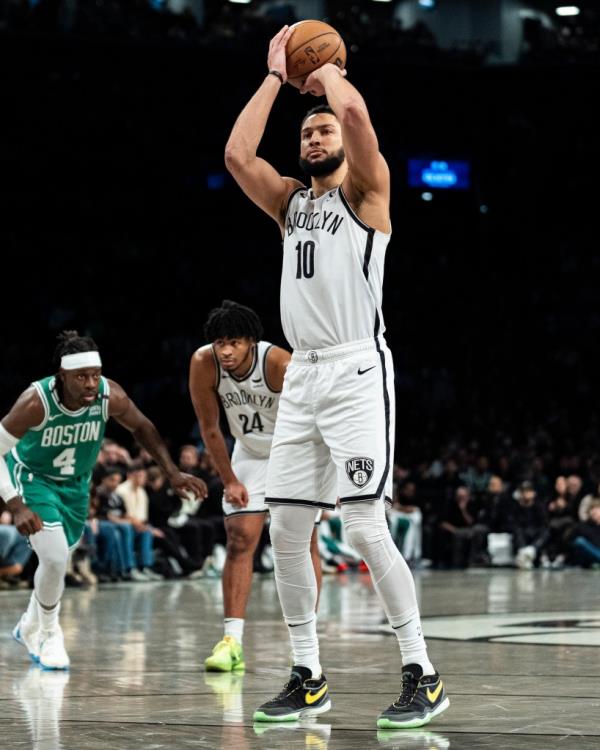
pixel 240 543
pixel 363 536
pixel 54 563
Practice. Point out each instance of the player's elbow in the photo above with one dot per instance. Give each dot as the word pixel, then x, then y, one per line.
pixel 235 158
pixel 354 114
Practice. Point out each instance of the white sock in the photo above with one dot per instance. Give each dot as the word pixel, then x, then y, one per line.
pixel 411 642
pixel 31 619
pixel 305 645
pixel 234 626
pixel 48 617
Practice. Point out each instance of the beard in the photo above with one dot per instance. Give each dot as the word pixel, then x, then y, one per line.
pixel 322 168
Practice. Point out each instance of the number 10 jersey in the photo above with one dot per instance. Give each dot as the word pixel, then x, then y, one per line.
pixel 250 404
pixel 332 275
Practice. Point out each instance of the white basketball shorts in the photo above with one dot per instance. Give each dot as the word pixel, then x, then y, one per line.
pixel 251 471
pixel 336 411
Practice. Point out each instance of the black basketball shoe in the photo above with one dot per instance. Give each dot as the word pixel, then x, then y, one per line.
pixel 421 699
pixel 301 696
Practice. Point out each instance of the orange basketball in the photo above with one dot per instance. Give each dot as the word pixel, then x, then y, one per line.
pixel 312 44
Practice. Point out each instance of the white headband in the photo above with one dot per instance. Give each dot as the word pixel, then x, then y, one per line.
pixel 80 360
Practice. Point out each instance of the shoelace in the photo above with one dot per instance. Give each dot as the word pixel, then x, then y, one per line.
pixel 287 689
pixel 409 688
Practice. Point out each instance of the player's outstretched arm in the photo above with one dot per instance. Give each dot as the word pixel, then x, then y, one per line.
pixel 367 169
pixel 204 398
pixel 257 178
pixel 122 408
pixel 26 413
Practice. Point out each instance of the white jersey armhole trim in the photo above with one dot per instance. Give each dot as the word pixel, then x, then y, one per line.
pixel 264 368
pixel 105 399
pixel 45 404
pixel 217 369
pixel 357 219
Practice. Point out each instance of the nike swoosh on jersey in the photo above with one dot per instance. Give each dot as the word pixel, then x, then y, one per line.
pixel 362 372
pixel 52 417
pixel 314 697
pixel 432 697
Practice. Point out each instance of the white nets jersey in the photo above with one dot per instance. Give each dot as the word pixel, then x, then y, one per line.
pixel 250 403
pixel 331 283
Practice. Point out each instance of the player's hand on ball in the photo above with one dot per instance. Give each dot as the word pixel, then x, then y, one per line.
pixel 183 484
pixel 314 83
pixel 276 59
pixel 236 494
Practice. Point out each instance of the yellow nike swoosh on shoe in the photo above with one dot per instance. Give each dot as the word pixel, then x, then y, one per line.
pixel 432 697
pixel 314 697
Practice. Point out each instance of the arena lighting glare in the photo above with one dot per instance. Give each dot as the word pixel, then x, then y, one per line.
pixel 567 10
pixel 427 197
pixel 427 3
pixel 241 2
pixel 439 174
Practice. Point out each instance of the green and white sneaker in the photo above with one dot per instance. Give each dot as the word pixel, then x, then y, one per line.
pixel 301 696
pixel 422 698
pixel 226 656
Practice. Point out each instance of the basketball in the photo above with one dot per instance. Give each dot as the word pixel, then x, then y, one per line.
pixel 311 45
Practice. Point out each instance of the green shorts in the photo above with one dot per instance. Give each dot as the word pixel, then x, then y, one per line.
pixel 63 504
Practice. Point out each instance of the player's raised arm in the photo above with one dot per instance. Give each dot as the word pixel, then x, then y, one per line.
pixel 368 172
pixel 257 178
pixel 204 398
pixel 129 416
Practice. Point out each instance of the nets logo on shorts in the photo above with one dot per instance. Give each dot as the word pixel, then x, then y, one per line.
pixel 360 470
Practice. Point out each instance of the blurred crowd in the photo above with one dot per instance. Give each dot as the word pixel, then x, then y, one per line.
pixel 451 513
pixel 219 24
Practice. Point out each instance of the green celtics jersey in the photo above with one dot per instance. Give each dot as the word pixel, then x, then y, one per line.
pixel 66 444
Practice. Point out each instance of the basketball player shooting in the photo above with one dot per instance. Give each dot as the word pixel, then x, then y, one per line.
pixel 337 403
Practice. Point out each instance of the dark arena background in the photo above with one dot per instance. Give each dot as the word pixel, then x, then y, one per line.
pixel 119 219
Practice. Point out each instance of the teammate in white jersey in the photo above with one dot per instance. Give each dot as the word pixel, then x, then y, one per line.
pixel 337 404
pixel 244 375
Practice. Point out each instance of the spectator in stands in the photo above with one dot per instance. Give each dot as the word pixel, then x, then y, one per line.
pixel 132 531
pixel 461 536
pixel 495 506
pixel 406 518
pixel 561 522
pixel 529 528
pixel 14 550
pixel 477 477
pixel 190 538
pixel 586 542
pixel 190 458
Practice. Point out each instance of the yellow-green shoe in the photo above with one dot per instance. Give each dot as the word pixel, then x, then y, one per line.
pixel 226 656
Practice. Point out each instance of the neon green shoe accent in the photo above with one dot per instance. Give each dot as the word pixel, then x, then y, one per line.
pixel 226 656
pixel 261 716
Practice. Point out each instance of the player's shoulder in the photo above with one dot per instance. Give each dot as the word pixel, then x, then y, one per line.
pixel 203 354
pixel 274 353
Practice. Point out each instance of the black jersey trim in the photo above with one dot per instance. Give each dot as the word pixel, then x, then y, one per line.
pixel 289 200
pixel 295 501
pixel 368 252
pixel 359 498
pixel 244 513
pixel 251 370
pixel 386 403
pixel 217 368
pixel 264 369
pixel 350 210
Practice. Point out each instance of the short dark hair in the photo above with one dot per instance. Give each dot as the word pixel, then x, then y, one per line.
pixel 320 109
pixel 70 342
pixel 232 321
